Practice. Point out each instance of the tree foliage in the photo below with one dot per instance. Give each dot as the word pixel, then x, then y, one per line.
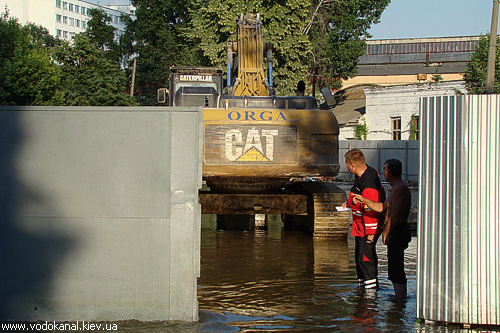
pixel 156 38
pixel 475 73
pixel 102 34
pixel 361 130
pixel 338 33
pixel 195 32
pixel 213 23
pixel 38 69
pixel 28 75
pixel 322 36
pixel 88 78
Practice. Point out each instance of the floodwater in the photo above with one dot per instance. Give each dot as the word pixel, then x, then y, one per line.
pixel 284 281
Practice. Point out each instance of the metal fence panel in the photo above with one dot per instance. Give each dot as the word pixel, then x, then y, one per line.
pixel 377 152
pixel 458 253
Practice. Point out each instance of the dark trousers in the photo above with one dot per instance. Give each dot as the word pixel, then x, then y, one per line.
pixel 366 260
pixel 398 241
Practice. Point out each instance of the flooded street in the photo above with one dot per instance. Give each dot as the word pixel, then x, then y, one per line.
pixel 283 281
pixel 278 280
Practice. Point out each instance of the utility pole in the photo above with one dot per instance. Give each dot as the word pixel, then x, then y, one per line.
pixel 133 78
pixel 490 74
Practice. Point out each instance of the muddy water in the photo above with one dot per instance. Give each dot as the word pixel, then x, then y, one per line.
pixel 283 281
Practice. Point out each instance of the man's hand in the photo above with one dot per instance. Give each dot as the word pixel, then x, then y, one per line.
pixel 359 199
pixel 344 205
pixel 369 238
pixel 387 228
pixel 384 239
pixel 376 206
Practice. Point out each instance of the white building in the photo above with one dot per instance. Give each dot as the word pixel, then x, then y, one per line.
pixel 388 112
pixel 63 18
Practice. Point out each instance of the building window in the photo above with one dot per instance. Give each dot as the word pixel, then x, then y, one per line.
pixel 396 128
pixel 77 23
pixel 65 19
pixel 71 21
pixel 65 5
pixel 82 10
pixel 84 24
pixel 88 11
pixel 58 3
pixel 70 7
pixel 415 128
pixel 59 33
pixel 65 34
pixel 77 9
pixel 58 18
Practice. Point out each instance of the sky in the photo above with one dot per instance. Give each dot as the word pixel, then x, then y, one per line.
pixel 422 18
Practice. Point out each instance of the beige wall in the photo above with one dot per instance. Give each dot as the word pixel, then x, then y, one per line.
pixel 390 80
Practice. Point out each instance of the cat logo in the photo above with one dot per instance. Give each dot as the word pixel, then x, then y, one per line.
pixel 252 148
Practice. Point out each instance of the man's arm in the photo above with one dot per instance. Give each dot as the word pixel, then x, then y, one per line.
pixel 376 206
pixel 370 216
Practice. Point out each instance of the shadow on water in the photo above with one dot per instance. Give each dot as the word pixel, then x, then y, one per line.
pixel 30 251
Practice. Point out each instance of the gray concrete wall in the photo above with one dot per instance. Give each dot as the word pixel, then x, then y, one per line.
pixel 99 213
pixel 378 151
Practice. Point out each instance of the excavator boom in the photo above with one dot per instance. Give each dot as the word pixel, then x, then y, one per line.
pixel 249 50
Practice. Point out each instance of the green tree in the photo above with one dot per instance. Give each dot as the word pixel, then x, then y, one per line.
pixel 195 32
pixel 475 73
pixel 40 34
pixel 338 30
pixel 28 75
pixel 213 23
pixel 89 78
pixel 102 34
pixel 156 38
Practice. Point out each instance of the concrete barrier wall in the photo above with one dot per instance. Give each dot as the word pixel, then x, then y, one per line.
pixel 99 213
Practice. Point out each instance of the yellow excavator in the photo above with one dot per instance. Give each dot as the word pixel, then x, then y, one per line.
pixel 262 154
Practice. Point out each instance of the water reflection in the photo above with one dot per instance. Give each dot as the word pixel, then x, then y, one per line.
pixel 283 281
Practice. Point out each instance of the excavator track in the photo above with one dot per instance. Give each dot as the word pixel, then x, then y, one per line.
pixel 323 220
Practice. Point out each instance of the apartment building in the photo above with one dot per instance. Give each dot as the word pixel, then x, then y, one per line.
pixel 63 18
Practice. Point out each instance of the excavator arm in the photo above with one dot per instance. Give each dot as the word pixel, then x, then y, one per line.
pixel 250 77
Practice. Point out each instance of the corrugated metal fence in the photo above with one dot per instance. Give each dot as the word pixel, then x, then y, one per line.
pixel 377 152
pixel 458 275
